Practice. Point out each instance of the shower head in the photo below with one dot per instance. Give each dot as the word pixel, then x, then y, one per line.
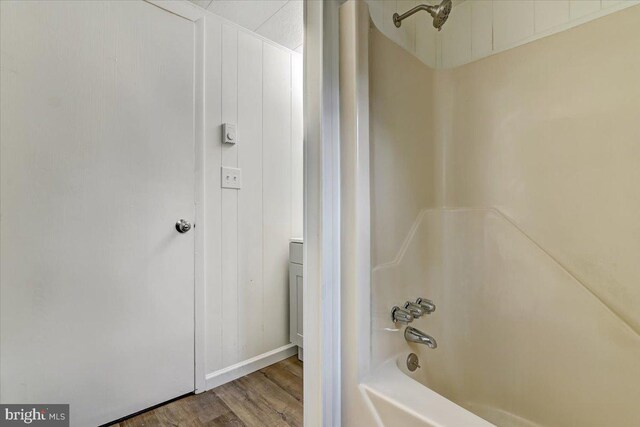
pixel 439 13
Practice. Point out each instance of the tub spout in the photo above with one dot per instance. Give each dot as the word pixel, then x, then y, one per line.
pixel 415 335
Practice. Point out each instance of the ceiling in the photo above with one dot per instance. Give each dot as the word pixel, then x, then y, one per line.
pixel 278 20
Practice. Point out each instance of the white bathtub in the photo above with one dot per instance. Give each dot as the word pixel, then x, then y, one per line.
pixel 397 399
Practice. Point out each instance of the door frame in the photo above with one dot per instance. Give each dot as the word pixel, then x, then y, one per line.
pixel 322 220
pixel 322 376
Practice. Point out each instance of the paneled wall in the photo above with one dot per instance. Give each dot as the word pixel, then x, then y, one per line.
pixel 479 28
pixel 257 85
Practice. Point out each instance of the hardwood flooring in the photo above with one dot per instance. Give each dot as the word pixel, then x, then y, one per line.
pixel 269 397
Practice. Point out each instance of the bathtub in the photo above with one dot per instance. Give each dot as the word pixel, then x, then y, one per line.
pixel 521 342
pixel 397 399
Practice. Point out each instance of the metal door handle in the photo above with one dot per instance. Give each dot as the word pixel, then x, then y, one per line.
pixel 183 226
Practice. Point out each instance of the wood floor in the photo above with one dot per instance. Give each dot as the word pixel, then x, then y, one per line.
pixel 269 397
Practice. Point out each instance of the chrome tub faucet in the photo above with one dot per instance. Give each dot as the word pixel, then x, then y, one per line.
pixel 412 334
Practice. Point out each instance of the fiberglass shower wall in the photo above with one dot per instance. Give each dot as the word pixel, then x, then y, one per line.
pixel 545 132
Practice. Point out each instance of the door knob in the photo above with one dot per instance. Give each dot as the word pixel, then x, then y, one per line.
pixel 183 226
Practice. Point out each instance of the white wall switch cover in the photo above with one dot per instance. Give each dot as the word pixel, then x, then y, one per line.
pixel 229 134
pixel 231 178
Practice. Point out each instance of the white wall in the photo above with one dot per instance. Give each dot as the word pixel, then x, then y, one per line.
pixel 479 28
pixel 257 85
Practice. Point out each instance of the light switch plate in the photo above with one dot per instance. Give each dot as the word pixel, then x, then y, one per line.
pixel 231 178
pixel 229 133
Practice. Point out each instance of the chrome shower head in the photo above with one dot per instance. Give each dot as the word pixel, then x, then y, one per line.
pixel 439 13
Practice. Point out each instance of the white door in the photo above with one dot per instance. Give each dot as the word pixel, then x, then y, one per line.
pixel 97 165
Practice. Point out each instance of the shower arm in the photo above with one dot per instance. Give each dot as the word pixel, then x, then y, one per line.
pixel 397 19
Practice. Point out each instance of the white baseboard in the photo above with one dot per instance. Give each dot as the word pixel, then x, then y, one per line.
pixel 248 366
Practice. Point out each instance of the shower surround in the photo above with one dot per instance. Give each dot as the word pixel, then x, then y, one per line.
pixel 506 191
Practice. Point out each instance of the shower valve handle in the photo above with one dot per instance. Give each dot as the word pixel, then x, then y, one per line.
pixel 426 304
pixel 400 315
pixel 415 309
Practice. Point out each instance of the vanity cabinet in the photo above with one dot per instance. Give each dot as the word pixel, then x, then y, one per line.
pixel 296 288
